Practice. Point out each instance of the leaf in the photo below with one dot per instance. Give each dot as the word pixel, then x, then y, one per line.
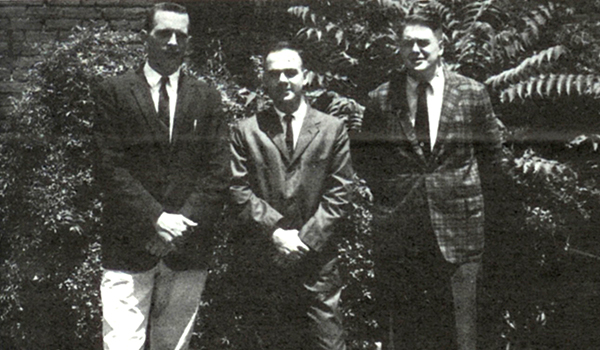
pixel 339 36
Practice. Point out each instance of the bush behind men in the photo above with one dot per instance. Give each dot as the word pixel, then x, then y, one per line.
pixel 290 173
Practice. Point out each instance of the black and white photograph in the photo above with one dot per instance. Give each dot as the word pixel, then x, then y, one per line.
pixel 299 174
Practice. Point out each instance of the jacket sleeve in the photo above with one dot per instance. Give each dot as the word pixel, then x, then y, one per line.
pixel 317 230
pixel 112 170
pixel 488 131
pixel 252 208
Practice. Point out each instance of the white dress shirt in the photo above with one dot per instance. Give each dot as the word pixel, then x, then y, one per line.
pixel 153 79
pixel 297 121
pixel 435 97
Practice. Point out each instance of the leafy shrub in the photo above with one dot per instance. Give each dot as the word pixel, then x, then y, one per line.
pixel 51 256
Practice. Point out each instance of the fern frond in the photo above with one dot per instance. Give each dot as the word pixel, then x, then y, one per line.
pixel 346 108
pixel 483 11
pixel 512 41
pixel 531 64
pixel 302 12
pixel 390 4
pixel 548 85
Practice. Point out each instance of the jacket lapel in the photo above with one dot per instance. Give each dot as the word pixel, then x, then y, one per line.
pixel 310 129
pixel 269 122
pixel 141 92
pixel 183 102
pixel 401 112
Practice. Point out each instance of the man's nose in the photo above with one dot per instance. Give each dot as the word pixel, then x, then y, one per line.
pixel 415 47
pixel 282 77
pixel 172 40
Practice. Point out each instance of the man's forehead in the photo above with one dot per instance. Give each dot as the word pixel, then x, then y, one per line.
pixel 283 59
pixel 172 20
pixel 417 30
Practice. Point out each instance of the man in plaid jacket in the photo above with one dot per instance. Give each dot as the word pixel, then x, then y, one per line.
pixel 425 137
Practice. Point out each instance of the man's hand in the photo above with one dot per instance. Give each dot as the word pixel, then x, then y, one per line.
pixel 158 247
pixel 170 226
pixel 289 243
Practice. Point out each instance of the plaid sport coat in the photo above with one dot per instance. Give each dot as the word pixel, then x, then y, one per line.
pixel 388 155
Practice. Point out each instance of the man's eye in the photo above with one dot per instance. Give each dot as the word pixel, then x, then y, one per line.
pixel 167 34
pixel 410 43
pixel 290 73
pixel 275 74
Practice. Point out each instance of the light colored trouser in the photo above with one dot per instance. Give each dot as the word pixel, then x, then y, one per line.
pixel 169 299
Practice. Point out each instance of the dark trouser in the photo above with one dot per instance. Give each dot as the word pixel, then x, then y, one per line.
pixel 292 308
pixel 431 303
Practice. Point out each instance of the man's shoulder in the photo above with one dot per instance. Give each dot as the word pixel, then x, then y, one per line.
pixel 245 124
pixel 463 82
pixel 325 119
pixel 197 82
pixel 121 79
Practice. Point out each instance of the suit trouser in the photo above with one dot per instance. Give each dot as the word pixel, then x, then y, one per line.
pixel 432 302
pixel 291 308
pixel 160 302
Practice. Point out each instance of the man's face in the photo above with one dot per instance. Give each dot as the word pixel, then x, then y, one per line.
pixel 167 41
pixel 421 49
pixel 284 79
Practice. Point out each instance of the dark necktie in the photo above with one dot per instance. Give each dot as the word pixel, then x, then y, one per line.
pixel 422 119
pixel 289 133
pixel 163 102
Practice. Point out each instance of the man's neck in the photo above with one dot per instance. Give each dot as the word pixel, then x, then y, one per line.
pixel 290 107
pixel 424 76
pixel 162 70
pixel 302 107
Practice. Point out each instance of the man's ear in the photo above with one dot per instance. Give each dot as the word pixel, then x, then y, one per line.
pixel 305 77
pixel 442 39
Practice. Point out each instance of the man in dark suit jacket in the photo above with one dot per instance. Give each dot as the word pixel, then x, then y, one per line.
pixel 424 139
pixel 163 187
pixel 290 171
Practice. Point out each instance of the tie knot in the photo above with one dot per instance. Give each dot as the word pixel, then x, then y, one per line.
pixel 422 87
pixel 288 118
pixel 164 80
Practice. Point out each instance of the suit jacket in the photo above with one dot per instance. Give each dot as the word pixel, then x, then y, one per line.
pixel 306 190
pixel 142 174
pixel 448 182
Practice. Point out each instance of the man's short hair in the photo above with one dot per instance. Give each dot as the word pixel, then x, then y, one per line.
pixel 424 18
pixel 163 6
pixel 280 46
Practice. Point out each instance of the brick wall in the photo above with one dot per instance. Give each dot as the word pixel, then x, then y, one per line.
pixel 25 23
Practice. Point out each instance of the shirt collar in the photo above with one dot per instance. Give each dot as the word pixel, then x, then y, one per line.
pixel 298 114
pixel 436 83
pixel 153 77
